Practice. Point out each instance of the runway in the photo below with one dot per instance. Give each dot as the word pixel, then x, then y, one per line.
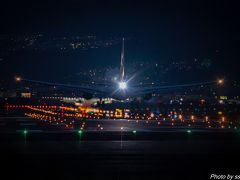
pixel 17 124
pixel 121 149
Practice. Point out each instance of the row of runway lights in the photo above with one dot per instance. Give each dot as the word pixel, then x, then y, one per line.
pixel 51 119
pixel 180 117
pixel 80 132
pixel 70 124
pixel 95 116
pixel 32 106
pixel 58 121
pixel 222 120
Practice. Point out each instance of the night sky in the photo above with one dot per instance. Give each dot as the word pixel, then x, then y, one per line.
pixel 162 32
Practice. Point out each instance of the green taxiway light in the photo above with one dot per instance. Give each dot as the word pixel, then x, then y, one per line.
pixel 134 131
pixel 25 132
pixel 189 131
pixel 80 132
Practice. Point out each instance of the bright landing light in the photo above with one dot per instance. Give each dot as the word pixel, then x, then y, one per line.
pixel 122 85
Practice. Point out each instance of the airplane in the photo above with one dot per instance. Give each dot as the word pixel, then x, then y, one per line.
pixel 122 89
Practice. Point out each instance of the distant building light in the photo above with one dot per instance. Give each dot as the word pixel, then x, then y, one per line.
pixel 26 95
pixel 18 79
pixel 220 81
pixel 223 97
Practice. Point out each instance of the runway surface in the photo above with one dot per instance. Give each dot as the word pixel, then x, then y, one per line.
pixel 116 149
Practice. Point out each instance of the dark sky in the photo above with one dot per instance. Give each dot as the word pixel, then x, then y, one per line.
pixel 183 29
pixel 105 17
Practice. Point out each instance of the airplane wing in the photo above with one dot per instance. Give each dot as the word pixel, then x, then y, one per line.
pixel 110 89
pixel 87 88
pixel 168 88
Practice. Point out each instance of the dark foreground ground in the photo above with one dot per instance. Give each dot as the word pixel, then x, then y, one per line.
pixel 168 153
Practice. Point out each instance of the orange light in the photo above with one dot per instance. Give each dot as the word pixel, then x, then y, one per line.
pixel 180 117
pixel 223 119
pixel 220 81
pixel 18 79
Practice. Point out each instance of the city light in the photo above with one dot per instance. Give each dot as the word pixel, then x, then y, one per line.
pixel 223 119
pixel 206 118
pixel 192 117
pixel 18 79
pixel 220 81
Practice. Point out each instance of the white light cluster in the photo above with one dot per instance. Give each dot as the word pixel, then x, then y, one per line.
pixel 122 85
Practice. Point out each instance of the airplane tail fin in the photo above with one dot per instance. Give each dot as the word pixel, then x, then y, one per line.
pixel 122 63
